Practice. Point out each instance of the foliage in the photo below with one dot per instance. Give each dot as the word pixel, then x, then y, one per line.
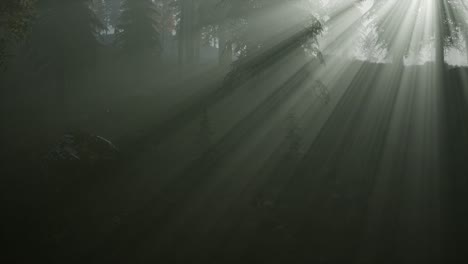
pixel 64 35
pixel 140 27
pixel 245 31
pixel 266 55
pixel 373 50
pixel 448 23
pixel 15 19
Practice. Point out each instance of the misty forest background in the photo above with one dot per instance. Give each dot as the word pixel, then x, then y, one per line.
pixel 240 131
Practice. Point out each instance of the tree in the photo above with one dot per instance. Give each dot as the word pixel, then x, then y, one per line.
pixel 100 7
pixel 388 26
pixel 441 32
pixel 63 41
pixel 260 48
pixel 168 22
pixel 453 25
pixel 189 35
pixel 15 19
pixel 139 31
pixel 445 25
pixel 114 9
pixel 218 28
pixel 368 43
pixel 108 12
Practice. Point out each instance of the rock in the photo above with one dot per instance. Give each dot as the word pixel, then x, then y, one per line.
pixel 84 147
pixel 79 158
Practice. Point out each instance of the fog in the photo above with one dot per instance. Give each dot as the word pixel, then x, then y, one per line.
pixel 234 131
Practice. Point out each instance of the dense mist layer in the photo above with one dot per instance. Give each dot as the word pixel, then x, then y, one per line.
pixel 234 131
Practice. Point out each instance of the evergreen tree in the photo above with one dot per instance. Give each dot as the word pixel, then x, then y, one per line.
pixel 15 18
pixel 260 47
pixel 63 40
pixel 100 8
pixel 445 25
pixel 114 8
pixel 140 27
pixel 108 12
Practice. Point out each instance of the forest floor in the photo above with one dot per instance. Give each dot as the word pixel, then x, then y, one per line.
pixel 365 170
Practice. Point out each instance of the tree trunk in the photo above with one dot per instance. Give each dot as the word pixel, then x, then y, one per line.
pixel 466 46
pixel 439 36
pixel 189 33
pixel 225 47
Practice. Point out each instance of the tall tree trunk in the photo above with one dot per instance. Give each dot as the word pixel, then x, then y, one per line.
pixel 225 47
pixel 189 32
pixel 465 36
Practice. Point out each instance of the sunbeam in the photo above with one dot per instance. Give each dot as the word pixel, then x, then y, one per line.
pixel 234 131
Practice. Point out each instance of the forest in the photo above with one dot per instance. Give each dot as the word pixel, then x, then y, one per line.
pixel 234 131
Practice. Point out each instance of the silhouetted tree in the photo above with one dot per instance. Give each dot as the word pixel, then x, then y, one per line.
pixel 168 20
pixel 444 28
pixel 63 41
pixel 139 30
pixel 372 49
pixel 189 31
pixel 15 19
